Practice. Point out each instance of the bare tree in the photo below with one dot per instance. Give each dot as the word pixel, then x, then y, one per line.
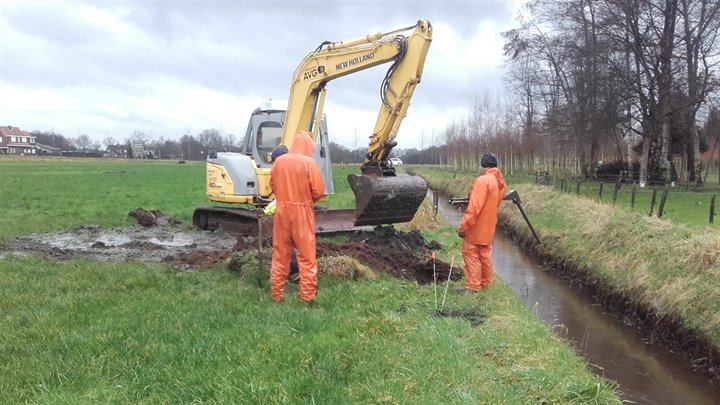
pixel 109 141
pixel 701 23
pixel 83 141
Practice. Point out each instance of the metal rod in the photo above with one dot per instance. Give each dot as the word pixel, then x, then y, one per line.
pixel 517 202
pixel 260 252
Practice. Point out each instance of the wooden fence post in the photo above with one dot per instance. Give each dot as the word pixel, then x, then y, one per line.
pixel 712 209
pixel 577 188
pixel 632 198
pixel 615 191
pixel 600 192
pixel 652 203
pixel 663 198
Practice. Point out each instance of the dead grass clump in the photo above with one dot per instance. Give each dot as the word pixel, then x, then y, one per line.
pixel 345 268
pixel 424 219
pixel 703 253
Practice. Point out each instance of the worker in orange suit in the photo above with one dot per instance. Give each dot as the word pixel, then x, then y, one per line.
pixel 477 227
pixel 296 181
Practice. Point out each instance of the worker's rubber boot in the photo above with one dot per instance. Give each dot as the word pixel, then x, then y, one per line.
pixel 294 275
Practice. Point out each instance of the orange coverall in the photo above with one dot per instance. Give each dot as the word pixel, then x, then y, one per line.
pixel 478 224
pixel 297 183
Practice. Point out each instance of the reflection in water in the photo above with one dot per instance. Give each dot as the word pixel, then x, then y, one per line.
pixel 646 374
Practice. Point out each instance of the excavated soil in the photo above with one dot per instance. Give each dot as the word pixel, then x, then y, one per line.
pixel 160 238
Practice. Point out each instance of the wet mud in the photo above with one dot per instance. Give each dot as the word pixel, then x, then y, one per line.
pixel 404 255
pixel 475 317
pixel 159 238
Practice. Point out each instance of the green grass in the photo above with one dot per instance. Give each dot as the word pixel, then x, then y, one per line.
pixel 92 332
pixel 52 194
pixel 343 197
pixel 95 332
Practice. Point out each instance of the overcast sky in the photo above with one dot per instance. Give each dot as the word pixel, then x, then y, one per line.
pixel 108 68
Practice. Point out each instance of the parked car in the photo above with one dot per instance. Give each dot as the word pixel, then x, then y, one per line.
pixel 395 161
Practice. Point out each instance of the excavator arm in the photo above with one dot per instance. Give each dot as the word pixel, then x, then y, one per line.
pixel 381 195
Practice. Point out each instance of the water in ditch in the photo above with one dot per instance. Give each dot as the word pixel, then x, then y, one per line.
pixel 646 374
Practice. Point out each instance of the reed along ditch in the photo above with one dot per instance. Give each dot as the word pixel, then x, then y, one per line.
pixel 645 373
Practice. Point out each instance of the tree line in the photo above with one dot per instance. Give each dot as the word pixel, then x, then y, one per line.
pixel 195 147
pixel 634 82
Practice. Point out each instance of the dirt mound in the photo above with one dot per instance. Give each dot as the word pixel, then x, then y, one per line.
pixel 151 218
pixel 406 256
pixel 195 260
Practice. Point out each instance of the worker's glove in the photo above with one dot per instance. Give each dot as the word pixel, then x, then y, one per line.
pixel 270 209
pixel 461 233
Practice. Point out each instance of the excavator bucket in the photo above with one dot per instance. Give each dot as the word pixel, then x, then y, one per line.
pixel 386 200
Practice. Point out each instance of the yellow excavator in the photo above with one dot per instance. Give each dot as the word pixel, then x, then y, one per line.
pixel 382 196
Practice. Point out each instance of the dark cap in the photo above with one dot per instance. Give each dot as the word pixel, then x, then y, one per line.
pixel 277 152
pixel 489 160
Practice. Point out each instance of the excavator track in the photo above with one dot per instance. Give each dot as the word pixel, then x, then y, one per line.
pixel 246 222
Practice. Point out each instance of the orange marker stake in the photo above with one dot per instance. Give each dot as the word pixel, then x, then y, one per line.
pixel 452 263
pixel 434 278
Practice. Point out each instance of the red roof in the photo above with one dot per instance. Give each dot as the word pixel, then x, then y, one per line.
pixel 13 131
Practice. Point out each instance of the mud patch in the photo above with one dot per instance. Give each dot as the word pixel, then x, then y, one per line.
pixel 405 255
pixel 473 316
pixel 162 239
pixel 166 240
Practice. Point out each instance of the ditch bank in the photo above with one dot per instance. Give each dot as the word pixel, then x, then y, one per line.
pixel 694 346
pixel 660 278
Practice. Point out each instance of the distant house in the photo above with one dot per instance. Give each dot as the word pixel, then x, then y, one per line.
pixel 117 151
pixel 14 141
pixel 47 150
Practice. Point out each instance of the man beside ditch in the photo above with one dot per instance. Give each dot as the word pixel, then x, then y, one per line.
pixel 477 228
pixel 297 184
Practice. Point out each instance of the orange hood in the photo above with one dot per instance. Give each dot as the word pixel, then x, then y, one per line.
pixel 494 171
pixel 303 144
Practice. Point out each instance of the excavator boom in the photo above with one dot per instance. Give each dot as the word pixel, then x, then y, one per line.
pixel 382 196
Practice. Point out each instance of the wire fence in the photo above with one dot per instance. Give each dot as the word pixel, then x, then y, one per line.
pixel 693 205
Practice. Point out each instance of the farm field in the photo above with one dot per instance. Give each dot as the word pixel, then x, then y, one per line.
pixel 81 330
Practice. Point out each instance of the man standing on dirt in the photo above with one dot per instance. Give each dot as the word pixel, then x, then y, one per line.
pixel 297 183
pixel 477 227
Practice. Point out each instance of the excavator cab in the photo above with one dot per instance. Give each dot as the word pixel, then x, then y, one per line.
pixel 265 132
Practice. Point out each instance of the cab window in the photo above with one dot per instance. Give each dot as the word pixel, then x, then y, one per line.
pixel 268 136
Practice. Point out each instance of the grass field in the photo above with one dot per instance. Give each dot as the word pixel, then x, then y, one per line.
pixel 682 206
pixel 96 332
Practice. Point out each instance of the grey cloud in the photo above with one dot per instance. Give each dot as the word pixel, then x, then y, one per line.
pixel 242 48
